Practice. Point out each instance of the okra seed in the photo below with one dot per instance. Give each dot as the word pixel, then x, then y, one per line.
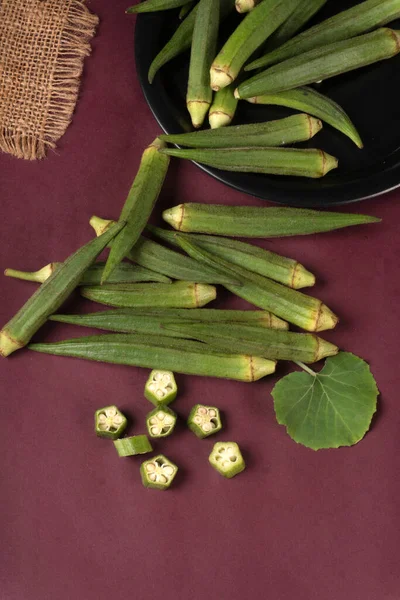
pixel 232 458
pixel 155 430
pixel 212 413
pixel 162 479
pixel 206 427
pixel 198 420
pixel 168 420
pixel 153 477
pixel 153 421
pixel 202 411
pixel 150 467
pixel 168 470
pixel 160 393
pixel 161 415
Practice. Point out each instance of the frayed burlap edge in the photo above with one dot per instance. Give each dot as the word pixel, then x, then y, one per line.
pixel 74 45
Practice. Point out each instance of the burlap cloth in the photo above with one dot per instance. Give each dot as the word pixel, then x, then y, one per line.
pixel 42 47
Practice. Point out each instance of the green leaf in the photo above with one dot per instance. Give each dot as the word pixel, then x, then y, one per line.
pixel 328 409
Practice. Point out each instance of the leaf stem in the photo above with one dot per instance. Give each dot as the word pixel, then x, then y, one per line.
pixel 303 366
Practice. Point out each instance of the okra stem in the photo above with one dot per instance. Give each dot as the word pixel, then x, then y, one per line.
pixel 347 24
pixel 281 132
pixel 276 267
pixel 275 161
pixel 251 221
pixel 255 29
pixel 179 356
pixel 139 203
pixel 322 63
pixel 310 101
pixel 204 43
pixel 51 294
pixel 180 294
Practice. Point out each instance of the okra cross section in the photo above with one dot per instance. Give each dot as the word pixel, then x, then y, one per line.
pixel 130 446
pixel 161 388
pixel 227 459
pixel 204 420
pixel 158 473
pixel 161 422
pixel 109 422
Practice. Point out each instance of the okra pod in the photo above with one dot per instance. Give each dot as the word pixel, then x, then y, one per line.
pixel 274 161
pixel 155 5
pixel 253 31
pixel 182 38
pixel 52 293
pixel 223 108
pixel 123 273
pixel 299 17
pixel 243 6
pixel 139 204
pixel 258 222
pixel 313 103
pixel 297 128
pixel 323 63
pixel 179 356
pixel 185 10
pixel 347 24
pixel 293 306
pixel 268 343
pixel 180 294
pixel 204 44
pixel 276 267
pixel 156 257
pixel 153 321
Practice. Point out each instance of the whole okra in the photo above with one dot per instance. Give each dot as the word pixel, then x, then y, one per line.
pixel 347 24
pixel 293 306
pixel 165 261
pixel 322 63
pixel 123 273
pixel 297 128
pixel 308 100
pixel 179 356
pixel 182 38
pixel 268 343
pixel 274 161
pixel 253 31
pixel 204 43
pixel 251 257
pixel 262 222
pixel 51 294
pixel 153 321
pixel 180 294
pixel 155 5
pixel 139 204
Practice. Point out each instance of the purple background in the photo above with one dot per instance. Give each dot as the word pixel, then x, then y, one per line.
pixel 75 521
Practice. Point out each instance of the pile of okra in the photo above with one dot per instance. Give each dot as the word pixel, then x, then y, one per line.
pixel 271 58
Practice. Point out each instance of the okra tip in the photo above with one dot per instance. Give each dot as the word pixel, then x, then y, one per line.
pixel 326 319
pixel 174 216
pixel 260 367
pixel 328 163
pixel 219 119
pixel 219 79
pixel 204 294
pixel 302 278
pixel 100 225
pixel 8 345
pixel 198 110
pixel 325 349
pixel 243 6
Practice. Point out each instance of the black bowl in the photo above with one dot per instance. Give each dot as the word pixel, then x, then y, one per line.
pixel 369 96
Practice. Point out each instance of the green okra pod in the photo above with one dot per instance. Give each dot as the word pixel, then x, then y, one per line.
pixel 204 43
pixel 253 31
pixel 162 260
pixel 186 8
pixel 153 321
pixel 347 24
pixel 274 161
pixel 313 103
pixel 276 267
pixel 123 273
pixel 299 17
pixel 323 63
pixel 297 128
pixel 258 222
pixel 268 343
pixel 155 5
pixel 182 39
pixel 52 293
pixel 243 6
pixel 180 294
pixel 179 356
pixel 223 108
pixel 293 306
pixel 139 204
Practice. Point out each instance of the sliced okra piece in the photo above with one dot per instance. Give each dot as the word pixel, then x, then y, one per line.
pixel 109 422
pixel 160 422
pixel 161 388
pixel 227 459
pixel 158 473
pixel 204 420
pixel 130 446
